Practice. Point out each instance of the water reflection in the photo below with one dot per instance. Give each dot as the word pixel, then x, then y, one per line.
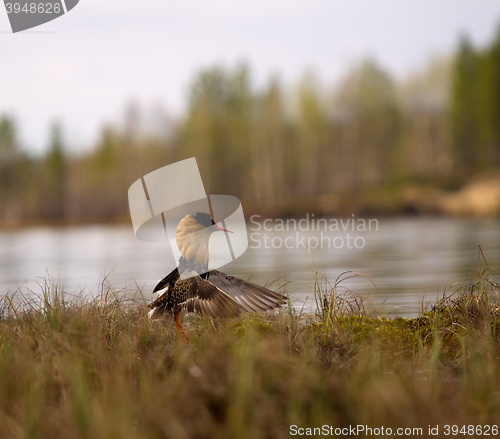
pixel 408 259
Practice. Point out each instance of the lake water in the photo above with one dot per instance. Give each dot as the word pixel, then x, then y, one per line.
pixel 410 260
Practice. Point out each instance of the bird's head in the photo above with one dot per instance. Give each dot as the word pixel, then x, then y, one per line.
pixel 192 236
pixel 205 221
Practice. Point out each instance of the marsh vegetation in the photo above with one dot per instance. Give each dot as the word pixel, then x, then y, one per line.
pixel 78 369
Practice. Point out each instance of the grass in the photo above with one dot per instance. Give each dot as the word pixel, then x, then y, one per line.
pixel 101 369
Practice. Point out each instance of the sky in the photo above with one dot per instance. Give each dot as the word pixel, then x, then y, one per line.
pixel 83 68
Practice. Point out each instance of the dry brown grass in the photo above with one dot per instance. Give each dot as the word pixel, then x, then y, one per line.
pixel 101 369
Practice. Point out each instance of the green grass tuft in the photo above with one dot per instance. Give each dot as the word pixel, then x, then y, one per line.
pixel 88 369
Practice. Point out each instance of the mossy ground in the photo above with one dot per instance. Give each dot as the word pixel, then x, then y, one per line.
pixel 103 370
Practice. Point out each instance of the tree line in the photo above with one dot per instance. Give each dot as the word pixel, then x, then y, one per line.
pixel 272 146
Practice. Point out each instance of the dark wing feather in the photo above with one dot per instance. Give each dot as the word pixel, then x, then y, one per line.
pixel 205 298
pixel 168 281
pixel 161 305
pixel 251 297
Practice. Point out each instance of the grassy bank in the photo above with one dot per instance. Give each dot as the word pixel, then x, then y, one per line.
pixel 103 370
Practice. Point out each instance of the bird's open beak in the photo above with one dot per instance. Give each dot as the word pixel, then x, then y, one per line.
pixel 221 229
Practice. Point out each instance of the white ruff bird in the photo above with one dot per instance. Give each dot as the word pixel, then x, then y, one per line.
pixel 192 288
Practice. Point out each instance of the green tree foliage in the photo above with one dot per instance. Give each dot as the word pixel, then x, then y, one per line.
pixel 368 120
pixel 217 128
pixel 9 157
pixel 313 152
pixel 275 147
pixel 426 149
pixel 55 176
pixel 475 107
pixel 464 108
pixel 273 163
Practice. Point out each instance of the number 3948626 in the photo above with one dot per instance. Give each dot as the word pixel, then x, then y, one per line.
pixel 33 8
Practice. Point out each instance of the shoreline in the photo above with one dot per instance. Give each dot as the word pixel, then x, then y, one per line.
pixel 479 198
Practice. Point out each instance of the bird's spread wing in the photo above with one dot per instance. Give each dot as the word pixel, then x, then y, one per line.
pixel 251 297
pixel 206 298
pixel 219 296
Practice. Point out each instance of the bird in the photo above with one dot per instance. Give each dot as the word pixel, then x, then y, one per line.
pixel 192 287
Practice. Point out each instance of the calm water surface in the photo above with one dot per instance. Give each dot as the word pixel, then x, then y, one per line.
pixel 409 260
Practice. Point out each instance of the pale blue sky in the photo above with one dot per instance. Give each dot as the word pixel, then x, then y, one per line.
pixel 103 54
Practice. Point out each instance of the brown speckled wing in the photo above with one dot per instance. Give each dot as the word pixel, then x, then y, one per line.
pixel 250 297
pixel 205 298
